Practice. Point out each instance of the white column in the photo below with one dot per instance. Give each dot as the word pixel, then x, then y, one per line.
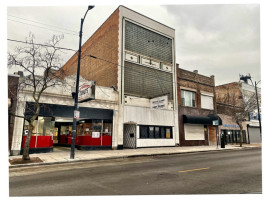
pixel 18 129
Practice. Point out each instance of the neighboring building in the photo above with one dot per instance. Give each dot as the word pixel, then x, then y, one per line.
pixel 196 112
pixel 13 81
pixel 228 97
pixel 131 58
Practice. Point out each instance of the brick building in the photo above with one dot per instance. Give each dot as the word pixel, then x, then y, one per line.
pixel 229 97
pixel 131 58
pixel 135 55
pixel 197 108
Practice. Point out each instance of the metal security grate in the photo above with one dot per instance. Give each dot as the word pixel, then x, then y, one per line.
pixel 146 82
pixel 148 43
pixel 129 137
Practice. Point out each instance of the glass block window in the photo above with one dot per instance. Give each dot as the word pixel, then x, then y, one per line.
pixel 146 42
pixel 146 82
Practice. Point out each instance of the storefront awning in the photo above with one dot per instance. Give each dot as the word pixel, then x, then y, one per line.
pixel 54 110
pixel 206 120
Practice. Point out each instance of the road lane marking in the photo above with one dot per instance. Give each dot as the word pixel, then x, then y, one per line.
pixel 190 170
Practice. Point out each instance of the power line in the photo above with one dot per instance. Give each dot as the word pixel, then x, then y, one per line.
pixel 43 27
pixel 40 44
pixel 43 23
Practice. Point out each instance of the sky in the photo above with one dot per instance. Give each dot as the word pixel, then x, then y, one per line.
pixel 216 39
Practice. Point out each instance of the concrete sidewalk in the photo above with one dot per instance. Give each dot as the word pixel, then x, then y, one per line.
pixel 62 155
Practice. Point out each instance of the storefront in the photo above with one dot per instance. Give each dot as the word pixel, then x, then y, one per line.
pixel 200 130
pixel 53 127
pixel 230 131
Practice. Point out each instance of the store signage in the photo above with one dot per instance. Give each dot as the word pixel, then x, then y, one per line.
pixel 95 134
pixel 230 126
pixel 159 102
pixel 76 114
pixel 86 92
pixel 215 122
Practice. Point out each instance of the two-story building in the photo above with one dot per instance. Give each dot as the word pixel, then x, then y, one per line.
pixel 197 117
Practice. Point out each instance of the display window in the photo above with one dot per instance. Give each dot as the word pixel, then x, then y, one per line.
pixel 43 126
pixel 156 132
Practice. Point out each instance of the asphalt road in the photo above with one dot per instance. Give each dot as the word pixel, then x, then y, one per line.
pixel 225 172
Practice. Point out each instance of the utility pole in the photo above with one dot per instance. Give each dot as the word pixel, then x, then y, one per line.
pixel 245 79
pixel 74 127
pixel 258 106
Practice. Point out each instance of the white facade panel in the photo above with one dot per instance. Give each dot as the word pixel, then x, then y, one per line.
pixel 155 142
pixel 167 68
pixel 194 132
pixel 131 58
pixel 207 102
pixel 147 116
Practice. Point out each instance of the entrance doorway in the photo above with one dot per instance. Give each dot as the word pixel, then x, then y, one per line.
pixel 129 136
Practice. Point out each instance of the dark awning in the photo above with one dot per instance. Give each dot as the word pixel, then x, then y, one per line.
pixel 206 120
pixel 54 110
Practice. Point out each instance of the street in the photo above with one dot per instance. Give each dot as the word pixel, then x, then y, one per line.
pixel 225 172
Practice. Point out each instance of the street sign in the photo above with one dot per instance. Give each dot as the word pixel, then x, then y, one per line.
pixel 76 114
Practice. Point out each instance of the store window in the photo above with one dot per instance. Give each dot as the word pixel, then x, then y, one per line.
pixel 43 126
pixel 155 132
pixel 95 128
pixel 188 98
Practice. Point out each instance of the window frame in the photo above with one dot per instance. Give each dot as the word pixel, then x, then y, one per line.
pixel 154 135
pixel 193 98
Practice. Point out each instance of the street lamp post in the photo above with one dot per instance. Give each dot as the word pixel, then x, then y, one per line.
pixel 72 153
pixel 258 106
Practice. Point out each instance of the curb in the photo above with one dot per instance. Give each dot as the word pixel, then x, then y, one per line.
pixel 126 156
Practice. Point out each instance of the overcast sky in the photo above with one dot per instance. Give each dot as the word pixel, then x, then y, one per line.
pixel 221 40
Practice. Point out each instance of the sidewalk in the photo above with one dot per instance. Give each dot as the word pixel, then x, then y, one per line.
pixel 63 155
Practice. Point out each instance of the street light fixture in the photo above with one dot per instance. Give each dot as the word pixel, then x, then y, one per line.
pixel 245 78
pixel 74 127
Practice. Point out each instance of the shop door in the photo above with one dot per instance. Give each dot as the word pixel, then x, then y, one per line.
pixel 129 136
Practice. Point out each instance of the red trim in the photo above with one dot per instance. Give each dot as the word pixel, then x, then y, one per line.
pixel 39 141
pixel 87 140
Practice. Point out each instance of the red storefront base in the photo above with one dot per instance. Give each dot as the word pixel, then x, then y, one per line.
pixel 87 142
pixel 39 144
pixel 44 144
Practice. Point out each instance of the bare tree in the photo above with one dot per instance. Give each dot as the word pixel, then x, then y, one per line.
pixel 241 107
pixel 41 65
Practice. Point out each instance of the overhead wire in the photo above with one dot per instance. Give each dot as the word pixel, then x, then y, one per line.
pixel 43 27
pixel 43 24
pixel 40 44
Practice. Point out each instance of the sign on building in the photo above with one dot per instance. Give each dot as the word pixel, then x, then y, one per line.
pixel 159 102
pixel 86 92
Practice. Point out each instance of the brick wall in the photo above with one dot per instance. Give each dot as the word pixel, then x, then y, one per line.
pixel 200 83
pixel 193 80
pixel 103 44
pixel 229 94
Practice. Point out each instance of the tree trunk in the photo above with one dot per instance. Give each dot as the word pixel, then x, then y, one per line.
pixel 25 155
